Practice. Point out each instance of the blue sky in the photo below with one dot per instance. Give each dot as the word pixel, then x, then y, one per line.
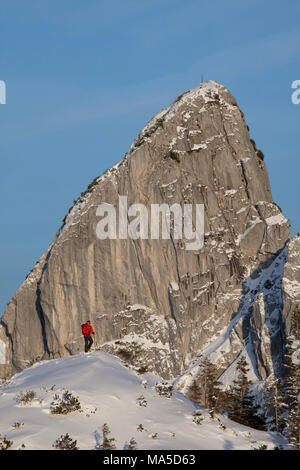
pixel 83 78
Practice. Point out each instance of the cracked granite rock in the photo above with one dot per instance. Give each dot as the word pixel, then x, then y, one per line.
pixel 153 302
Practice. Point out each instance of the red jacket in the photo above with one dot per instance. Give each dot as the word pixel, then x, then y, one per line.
pixel 87 330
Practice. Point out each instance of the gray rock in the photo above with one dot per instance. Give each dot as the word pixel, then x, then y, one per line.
pixel 153 302
pixel 291 281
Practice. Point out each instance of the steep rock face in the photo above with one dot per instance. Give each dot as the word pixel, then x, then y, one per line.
pixel 291 280
pixel 154 301
pixel 257 331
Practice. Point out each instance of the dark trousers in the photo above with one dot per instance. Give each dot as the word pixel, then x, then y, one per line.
pixel 88 341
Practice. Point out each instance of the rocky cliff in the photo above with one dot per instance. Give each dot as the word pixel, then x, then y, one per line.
pixel 152 301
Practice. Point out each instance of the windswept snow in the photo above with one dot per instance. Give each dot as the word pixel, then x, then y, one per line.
pixel 254 222
pixel 199 147
pixel 111 393
pixel 277 219
pixel 291 287
pixel 174 285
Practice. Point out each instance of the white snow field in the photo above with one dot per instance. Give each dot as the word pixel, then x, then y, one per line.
pixel 109 392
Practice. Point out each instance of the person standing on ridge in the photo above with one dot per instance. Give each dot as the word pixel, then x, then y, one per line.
pixel 87 331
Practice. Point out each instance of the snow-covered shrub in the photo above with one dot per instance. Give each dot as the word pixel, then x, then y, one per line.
pixel 24 398
pixel 261 447
pixel 164 389
pixel 141 428
pixel 5 443
pixel 144 383
pixel 197 417
pixel 131 445
pixel 65 442
pixel 17 425
pixel 222 426
pixel 125 354
pixel 141 401
pixel 66 404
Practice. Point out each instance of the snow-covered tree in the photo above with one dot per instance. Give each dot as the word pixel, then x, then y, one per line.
pixel 241 406
pixel 195 392
pixel 239 390
pixel 107 442
pixel 132 444
pixel 292 379
pixel 205 389
pixel 65 442
pixel 275 403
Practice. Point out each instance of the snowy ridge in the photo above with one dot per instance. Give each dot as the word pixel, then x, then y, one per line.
pixel 203 90
pixel 111 393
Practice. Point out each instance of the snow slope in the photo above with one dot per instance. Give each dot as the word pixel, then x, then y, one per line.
pixel 108 393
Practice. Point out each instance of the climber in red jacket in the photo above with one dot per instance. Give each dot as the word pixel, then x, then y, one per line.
pixel 87 331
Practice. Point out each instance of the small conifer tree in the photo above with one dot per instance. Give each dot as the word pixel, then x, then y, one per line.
pixel 195 392
pixel 276 403
pixel 132 444
pixel 65 442
pixel 108 442
pixel 241 406
pixel 292 380
pixel 205 389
